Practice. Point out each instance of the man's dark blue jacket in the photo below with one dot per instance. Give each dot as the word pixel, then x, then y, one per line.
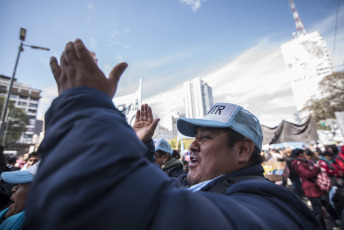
pixel 94 176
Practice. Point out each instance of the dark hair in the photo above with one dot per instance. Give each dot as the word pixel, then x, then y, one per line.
pixel 175 154
pixel 12 160
pixel 161 153
pixel 296 152
pixel 309 152
pixel 33 154
pixel 233 137
pixel 328 153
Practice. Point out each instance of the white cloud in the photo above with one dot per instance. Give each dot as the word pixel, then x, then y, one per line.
pixel 194 4
pixel 256 79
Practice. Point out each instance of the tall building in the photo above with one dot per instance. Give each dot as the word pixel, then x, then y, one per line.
pixel 26 98
pixel 167 127
pixel 198 98
pixel 307 60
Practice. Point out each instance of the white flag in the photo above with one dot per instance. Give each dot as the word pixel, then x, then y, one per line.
pixel 129 104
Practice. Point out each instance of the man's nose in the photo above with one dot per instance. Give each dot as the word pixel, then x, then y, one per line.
pixel 194 147
pixel 14 189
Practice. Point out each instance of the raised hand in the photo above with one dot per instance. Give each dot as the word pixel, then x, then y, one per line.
pixel 78 68
pixel 145 125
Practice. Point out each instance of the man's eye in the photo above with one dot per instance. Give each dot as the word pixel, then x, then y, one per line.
pixel 205 137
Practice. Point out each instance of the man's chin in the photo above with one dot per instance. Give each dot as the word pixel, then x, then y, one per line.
pixel 191 178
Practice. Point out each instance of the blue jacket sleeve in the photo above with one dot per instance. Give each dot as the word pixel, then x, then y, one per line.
pixel 94 175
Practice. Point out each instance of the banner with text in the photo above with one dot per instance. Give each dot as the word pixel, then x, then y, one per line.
pixel 129 104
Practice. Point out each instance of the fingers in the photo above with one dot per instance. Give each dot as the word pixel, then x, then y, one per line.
pixel 115 75
pixel 82 52
pixel 57 72
pixel 70 53
pixel 55 68
pixel 154 124
pixel 144 112
pixel 149 114
pixel 117 71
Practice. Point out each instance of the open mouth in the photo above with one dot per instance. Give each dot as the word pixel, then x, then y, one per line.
pixel 193 161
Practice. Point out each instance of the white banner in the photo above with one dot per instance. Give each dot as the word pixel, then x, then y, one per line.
pixel 129 104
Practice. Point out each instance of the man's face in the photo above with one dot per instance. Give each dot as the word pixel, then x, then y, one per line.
pixel 20 193
pixel 32 160
pixel 210 156
pixel 160 160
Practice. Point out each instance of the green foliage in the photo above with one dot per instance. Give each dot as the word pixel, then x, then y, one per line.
pixel 186 143
pixel 16 123
pixel 332 89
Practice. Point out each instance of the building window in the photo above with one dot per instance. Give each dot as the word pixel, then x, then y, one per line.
pixel 21 103
pixel 33 105
pixel 23 97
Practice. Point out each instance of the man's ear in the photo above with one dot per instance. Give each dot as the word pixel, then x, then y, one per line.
pixel 246 147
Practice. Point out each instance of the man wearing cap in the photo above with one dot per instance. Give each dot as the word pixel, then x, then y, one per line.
pixel 162 150
pixel 95 163
pixel 227 146
pixel 13 217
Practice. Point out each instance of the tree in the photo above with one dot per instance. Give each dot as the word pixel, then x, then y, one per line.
pixel 332 89
pixel 15 123
pixel 186 143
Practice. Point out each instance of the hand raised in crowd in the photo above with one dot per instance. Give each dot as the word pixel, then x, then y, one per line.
pixel 145 125
pixel 78 68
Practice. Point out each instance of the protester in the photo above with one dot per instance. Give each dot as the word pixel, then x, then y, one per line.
pixel 13 216
pixel 293 175
pixel 174 166
pixel 329 166
pixel 162 151
pixel 340 158
pixel 308 172
pixel 94 175
pixel 32 159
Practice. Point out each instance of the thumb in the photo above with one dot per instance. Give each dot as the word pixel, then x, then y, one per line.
pixel 153 126
pixel 116 73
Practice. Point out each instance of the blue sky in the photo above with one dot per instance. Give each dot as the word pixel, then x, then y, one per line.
pixel 234 45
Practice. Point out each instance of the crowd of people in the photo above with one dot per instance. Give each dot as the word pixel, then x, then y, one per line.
pixel 98 172
pixel 316 175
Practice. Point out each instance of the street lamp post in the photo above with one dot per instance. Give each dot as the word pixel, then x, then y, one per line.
pixel 5 105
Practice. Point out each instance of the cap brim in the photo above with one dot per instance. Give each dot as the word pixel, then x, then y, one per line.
pixel 17 177
pixel 188 126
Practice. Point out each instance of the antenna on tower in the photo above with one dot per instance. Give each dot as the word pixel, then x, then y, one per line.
pixel 298 23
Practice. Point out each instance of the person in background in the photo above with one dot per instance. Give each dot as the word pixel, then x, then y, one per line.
pixel 308 172
pixel 186 160
pixel 11 162
pixel 309 155
pixel 13 216
pixel 162 152
pixel 293 175
pixel 32 159
pixel 174 166
pixel 340 158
